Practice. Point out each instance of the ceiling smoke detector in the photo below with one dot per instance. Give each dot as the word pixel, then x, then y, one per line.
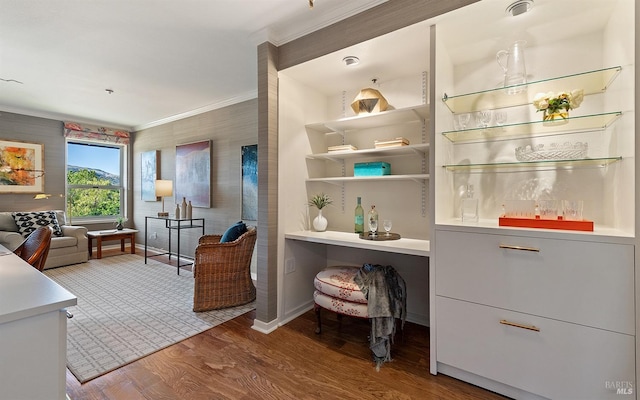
pixel 519 7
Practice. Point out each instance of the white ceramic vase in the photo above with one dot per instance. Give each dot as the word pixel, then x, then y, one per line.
pixel 320 222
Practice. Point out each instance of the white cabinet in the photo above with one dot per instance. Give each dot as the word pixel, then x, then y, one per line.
pixel 531 312
pixel 535 313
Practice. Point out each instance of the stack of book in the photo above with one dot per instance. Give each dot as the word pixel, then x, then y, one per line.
pixel 342 147
pixel 399 141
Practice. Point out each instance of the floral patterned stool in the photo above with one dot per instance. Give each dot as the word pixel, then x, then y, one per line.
pixel 337 291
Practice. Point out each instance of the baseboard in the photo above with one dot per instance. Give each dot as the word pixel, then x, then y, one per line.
pixel 265 327
pixel 486 383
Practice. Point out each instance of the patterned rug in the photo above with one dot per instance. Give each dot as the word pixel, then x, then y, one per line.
pixel 128 309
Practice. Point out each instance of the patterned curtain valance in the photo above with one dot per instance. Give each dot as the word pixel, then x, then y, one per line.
pixel 99 133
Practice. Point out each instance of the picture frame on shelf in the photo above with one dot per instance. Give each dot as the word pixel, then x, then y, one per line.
pixel 21 167
pixel 193 173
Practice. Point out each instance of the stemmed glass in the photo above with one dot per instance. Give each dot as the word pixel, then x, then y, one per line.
pixel 501 118
pixel 483 117
pixel 373 226
pixel 463 120
pixel 386 224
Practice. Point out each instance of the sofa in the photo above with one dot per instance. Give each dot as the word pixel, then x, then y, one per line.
pixel 69 248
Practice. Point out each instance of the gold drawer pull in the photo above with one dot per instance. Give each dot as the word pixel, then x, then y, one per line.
pixel 529 327
pixel 523 248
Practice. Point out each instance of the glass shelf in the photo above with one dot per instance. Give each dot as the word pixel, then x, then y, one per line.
pixel 367 121
pixel 519 165
pixel 537 128
pixel 340 179
pixel 419 149
pixel 591 82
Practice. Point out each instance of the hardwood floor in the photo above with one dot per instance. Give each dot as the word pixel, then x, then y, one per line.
pixel 233 361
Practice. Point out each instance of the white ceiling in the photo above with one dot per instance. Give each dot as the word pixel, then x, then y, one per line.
pixel 163 59
pixel 166 59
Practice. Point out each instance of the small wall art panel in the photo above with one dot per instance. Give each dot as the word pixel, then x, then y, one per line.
pixel 250 182
pixel 21 167
pixel 150 171
pixel 193 173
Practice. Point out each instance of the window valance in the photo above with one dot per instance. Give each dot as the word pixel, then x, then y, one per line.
pixel 92 132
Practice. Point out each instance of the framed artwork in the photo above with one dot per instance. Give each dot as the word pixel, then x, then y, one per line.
pixel 149 171
pixel 250 182
pixel 193 173
pixel 21 167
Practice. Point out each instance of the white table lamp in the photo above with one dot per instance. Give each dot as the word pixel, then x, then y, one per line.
pixel 164 188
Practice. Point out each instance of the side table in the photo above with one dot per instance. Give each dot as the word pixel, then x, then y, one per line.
pixel 173 224
pixel 112 234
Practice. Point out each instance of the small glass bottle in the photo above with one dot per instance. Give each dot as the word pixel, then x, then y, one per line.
pixel 359 217
pixel 469 206
pixel 373 220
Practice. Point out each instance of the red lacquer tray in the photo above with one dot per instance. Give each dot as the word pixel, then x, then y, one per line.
pixel 583 225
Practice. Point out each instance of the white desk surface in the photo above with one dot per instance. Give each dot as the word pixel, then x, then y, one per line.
pixel 414 247
pixel 25 291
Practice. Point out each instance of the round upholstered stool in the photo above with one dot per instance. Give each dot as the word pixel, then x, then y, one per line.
pixel 337 291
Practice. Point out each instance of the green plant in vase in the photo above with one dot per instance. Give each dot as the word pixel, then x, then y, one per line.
pixel 320 201
pixel 120 220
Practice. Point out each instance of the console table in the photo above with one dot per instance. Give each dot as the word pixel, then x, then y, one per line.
pixel 172 224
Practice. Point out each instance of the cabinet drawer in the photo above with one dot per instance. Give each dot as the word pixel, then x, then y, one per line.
pixel 581 282
pixel 560 361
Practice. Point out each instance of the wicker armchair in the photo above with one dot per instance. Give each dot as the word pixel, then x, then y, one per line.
pixel 222 272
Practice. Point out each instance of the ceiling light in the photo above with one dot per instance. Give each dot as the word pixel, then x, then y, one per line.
pixel 519 7
pixel 110 91
pixel 350 60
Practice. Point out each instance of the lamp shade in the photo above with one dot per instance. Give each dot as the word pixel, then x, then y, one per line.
pixel 164 188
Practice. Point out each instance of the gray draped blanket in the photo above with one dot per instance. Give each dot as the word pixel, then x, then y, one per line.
pixel 386 295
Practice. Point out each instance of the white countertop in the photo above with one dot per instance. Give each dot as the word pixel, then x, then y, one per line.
pixel 25 291
pixel 414 247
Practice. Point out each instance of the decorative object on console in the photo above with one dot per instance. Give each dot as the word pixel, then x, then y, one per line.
pixel 120 220
pixel 469 206
pixel 548 218
pixel 555 151
pixel 371 169
pixel 399 141
pixel 320 201
pixel 189 210
pixel 556 106
pixel 21 167
pixel 369 100
pixel 183 209
pixel 164 188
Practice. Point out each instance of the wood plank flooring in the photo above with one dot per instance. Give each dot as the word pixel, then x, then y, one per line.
pixel 233 361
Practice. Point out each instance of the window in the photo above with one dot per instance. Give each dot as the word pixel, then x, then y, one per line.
pixel 95 180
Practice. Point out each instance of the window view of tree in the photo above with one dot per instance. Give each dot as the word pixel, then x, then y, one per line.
pixel 94 181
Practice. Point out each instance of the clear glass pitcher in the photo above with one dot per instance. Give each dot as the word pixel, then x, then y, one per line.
pixel 512 62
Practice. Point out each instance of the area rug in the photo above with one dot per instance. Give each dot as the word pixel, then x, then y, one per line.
pixel 128 309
